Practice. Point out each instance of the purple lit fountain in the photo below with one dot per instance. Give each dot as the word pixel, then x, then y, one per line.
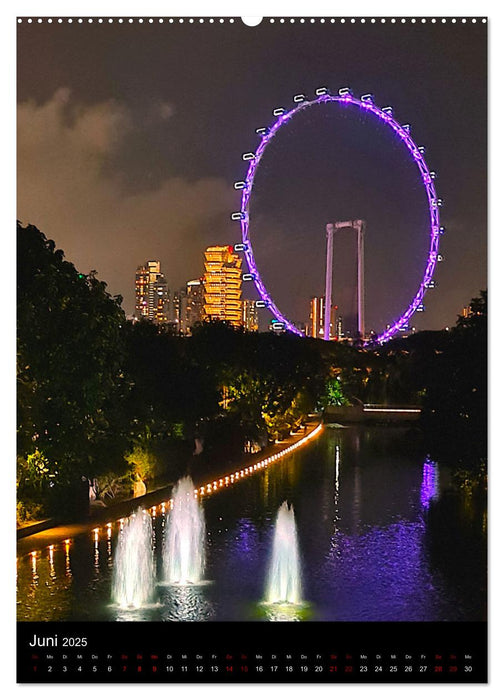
pixel 184 546
pixel 133 573
pixel 284 576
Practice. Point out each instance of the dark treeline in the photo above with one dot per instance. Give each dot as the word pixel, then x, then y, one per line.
pixel 128 403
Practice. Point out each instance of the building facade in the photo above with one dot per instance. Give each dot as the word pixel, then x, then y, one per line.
pixel 317 309
pixel 152 295
pixel 222 285
pixel 317 317
pixel 250 315
pixel 194 304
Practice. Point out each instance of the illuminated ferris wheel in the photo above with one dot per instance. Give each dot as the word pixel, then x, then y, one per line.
pixel 402 132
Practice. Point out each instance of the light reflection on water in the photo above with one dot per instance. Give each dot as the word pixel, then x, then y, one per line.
pixel 379 539
pixel 186 603
pixel 285 612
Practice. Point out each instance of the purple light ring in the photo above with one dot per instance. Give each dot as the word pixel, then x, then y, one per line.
pixel 426 179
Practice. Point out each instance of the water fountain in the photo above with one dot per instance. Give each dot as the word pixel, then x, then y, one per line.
pixel 133 573
pixel 184 546
pixel 284 576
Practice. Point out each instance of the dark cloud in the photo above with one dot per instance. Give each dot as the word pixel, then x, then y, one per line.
pixel 137 159
pixel 66 190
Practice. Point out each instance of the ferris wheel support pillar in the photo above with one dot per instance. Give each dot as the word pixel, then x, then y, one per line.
pixel 328 281
pixel 359 226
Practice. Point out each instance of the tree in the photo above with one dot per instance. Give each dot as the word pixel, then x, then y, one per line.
pixel 455 407
pixel 69 356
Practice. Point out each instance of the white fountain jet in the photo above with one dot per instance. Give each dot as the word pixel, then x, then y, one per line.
pixel 284 576
pixel 184 546
pixel 133 572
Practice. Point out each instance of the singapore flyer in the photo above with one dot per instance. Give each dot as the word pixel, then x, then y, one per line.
pixel 365 104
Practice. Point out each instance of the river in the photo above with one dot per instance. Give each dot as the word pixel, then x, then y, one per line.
pixel 382 536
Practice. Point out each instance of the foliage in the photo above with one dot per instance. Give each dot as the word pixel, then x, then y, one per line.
pixel 141 457
pixel 333 395
pixel 472 480
pixel 102 397
pixel 69 359
pixel 35 471
pixel 113 485
pixel 455 405
pixel 28 511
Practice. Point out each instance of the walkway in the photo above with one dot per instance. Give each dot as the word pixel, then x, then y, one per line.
pixel 252 463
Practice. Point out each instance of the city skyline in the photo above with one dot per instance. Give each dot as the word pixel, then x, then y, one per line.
pixel 113 159
pixel 215 295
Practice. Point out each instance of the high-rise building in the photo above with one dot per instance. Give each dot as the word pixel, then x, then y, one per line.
pixel 176 311
pixel 141 292
pixel 317 318
pixel 194 304
pixel 151 293
pixel 222 284
pixel 317 307
pixel 250 316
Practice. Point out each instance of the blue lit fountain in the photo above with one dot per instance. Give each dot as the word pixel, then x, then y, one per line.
pixel 284 575
pixel 184 545
pixel 133 573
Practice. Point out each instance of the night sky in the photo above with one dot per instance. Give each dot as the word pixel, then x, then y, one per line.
pixel 130 138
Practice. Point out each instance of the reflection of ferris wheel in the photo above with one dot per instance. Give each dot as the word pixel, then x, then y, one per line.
pixel 385 115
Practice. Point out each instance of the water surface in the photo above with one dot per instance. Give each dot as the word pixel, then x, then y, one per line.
pixel 381 537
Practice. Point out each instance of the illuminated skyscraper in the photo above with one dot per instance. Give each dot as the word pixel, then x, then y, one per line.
pixel 194 304
pixel 177 307
pixel 222 285
pixel 250 317
pixel 151 292
pixel 317 320
pixel 141 292
pixel 317 307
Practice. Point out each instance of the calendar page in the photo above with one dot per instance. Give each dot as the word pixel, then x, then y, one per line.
pixel 252 360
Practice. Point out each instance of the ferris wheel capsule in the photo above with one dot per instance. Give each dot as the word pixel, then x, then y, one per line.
pixel 278 111
pixel 237 216
pixel 388 110
pixel 368 97
pixel 345 92
pixel 262 131
pixel 321 91
pixel 248 277
pixel 406 128
pixel 240 247
pixel 248 156
pixel 299 98
pixel 240 185
pixel 261 304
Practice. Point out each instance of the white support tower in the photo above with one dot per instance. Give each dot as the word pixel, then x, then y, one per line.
pixel 357 225
pixel 328 281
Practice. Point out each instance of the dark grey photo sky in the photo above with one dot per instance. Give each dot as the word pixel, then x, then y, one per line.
pixel 130 138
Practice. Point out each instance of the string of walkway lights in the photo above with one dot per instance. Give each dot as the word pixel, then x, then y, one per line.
pixel 202 491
